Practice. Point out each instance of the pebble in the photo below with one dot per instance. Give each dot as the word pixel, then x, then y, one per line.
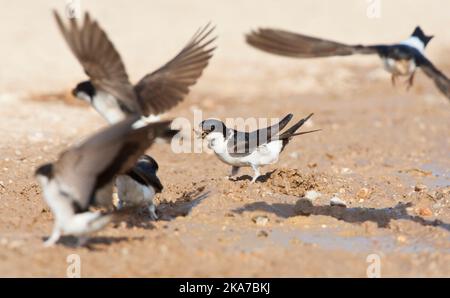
pixel 420 187
pixel 425 212
pixel 401 239
pixel 363 193
pixel 262 233
pixel 335 201
pixel 312 195
pixel 261 220
pixel 346 171
pixel 294 155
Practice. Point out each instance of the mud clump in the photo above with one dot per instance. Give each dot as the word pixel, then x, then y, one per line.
pixel 292 182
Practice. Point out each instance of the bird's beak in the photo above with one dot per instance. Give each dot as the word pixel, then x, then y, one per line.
pixel 74 92
pixel 199 133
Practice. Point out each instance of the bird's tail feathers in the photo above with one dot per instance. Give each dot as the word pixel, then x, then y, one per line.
pixel 291 131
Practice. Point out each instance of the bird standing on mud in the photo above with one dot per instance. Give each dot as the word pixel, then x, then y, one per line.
pixel 249 149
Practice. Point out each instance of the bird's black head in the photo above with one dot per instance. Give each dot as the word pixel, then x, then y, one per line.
pixel 212 125
pixel 149 161
pixel 45 170
pixel 84 90
pixel 421 35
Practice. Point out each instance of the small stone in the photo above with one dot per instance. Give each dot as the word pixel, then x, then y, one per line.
pixel 346 171
pixel 420 187
pixel 401 239
pixel 261 220
pixel 294 155
pixel 312 165
pixel 262 233
pixel 363 193
pixel 425 212
pixel 335 201
pixel 312 195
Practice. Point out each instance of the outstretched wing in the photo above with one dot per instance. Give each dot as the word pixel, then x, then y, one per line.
pixel 440 80
pixel 166 87
pixel 99 59
pixel 291 44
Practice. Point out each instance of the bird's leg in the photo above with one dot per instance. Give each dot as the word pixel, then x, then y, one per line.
pixel 234 171
pixel 152 211
pixel 393 79
pixel 410 81
pixel 56 233
pixel 257 173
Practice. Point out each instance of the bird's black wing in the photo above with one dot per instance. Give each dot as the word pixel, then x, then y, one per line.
pixel 244 143
pixel 440 80
pixel 166 87
pixel 99 59
pixel 291 44
pixel 146 176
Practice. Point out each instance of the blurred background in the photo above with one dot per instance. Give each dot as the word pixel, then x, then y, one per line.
pixel 148 33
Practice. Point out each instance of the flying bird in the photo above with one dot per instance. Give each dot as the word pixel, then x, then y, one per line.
pixel 83 176
pixel 249 149
pixel 400 59
pixel 139 185
pixel 109 90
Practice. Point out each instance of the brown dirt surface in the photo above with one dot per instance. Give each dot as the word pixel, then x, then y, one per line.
pixel 382 150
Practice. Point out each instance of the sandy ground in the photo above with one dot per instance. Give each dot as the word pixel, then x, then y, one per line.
pixel 383 150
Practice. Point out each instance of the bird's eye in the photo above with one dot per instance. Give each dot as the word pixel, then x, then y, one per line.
pixel 213 127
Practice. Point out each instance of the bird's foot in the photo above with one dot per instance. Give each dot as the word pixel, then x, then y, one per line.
pixel 54 237
pixel 152 211
pixel 410 82
pixel 254 179
pixel 50 242
pixel 393 80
